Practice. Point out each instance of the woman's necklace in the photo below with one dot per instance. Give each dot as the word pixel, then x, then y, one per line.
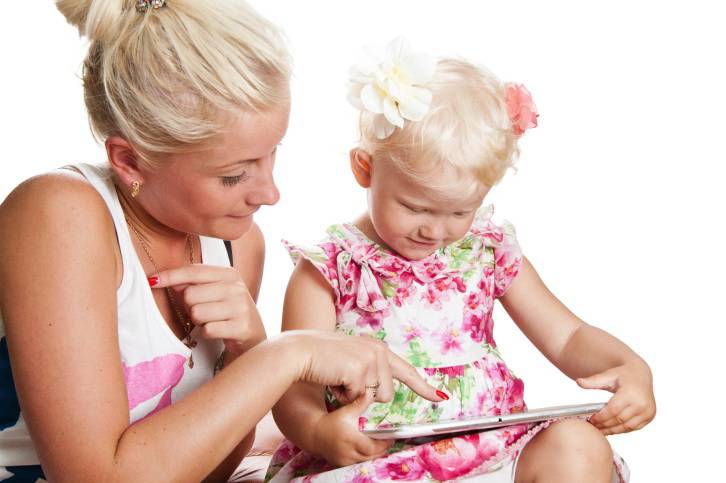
pixel 181 317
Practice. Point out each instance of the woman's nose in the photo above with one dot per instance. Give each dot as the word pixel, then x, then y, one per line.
pixel 265 191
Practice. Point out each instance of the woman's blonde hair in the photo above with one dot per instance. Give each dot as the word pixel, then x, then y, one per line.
pixel 165 79
pixel 467 127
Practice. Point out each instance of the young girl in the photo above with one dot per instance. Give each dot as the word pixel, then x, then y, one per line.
pixel 420 271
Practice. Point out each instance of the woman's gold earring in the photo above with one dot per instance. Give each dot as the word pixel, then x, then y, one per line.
pixel 135 188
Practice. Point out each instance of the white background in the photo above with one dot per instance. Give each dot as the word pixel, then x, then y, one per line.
pixel 617 200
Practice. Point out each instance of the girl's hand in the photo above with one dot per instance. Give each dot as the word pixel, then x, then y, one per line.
pixel 218 304
pixel 337 439
pixel 633 403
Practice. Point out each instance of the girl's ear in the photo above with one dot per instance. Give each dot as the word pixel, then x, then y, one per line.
pixel 360 164
pixel 123 160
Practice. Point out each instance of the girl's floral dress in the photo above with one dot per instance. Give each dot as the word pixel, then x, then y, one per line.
pixel 436 313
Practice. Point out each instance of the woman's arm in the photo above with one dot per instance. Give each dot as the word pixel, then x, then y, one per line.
pixel 58 275
pixel 309 303
pixel 590 355
pixel 58 278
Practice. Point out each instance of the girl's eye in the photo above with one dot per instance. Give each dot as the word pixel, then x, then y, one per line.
pixel 415 210
pixel 461 214
pixel 233 180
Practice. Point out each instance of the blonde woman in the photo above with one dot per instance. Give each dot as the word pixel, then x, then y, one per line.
pixel 120 301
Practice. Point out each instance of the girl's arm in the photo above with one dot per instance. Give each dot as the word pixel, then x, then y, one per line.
pixel 301 413
pixel 309 304
pixel 594 358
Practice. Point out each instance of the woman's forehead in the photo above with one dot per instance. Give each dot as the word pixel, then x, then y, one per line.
pixel 248 136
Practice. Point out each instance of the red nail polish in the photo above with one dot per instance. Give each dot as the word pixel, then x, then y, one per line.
pixel 442 395
pixel 153 280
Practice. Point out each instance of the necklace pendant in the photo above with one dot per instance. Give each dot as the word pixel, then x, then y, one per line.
pixel 189 342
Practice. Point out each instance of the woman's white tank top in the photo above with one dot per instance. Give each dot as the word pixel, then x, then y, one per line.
pixel 153 359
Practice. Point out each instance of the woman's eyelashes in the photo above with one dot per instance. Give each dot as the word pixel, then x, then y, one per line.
pixel 234 180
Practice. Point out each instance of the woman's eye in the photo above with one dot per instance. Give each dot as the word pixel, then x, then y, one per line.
pixel 461 214
pixel 233 180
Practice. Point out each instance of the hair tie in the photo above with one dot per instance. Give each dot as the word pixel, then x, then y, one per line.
pixel 143 5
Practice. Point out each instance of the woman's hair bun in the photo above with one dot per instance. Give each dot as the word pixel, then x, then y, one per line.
pixel 95 19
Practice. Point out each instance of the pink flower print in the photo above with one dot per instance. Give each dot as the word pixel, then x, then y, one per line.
pixel 369 295
pixel 449 339
pixel 485 403
pixel 498 373
pixel 148 379
pixel 459 283
pixel 513 433
pixel 452 371
pixel 433 297
pixel 507 267
pixel 473 300
pixel 285 452
pixel 450 458
pixel 480 327
pixel 521 108
pixel 427 271
pixel 484 284
pixel 362 423
pixel 410 332
pixel 374 320
pixel 514 402
pixel 394 265
pixel 348 275
pixel 361 474
pixel 492 233
pixel 405 289
pixel 400 469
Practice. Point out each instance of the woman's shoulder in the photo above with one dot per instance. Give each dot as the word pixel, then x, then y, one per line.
pixel 52 201
pixel 52 187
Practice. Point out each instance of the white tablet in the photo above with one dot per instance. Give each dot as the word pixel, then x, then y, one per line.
pixel 482 422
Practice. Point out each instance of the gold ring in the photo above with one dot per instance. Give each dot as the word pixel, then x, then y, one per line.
pixel 373 386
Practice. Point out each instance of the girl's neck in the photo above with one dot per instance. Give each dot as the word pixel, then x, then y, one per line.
pixel 365 225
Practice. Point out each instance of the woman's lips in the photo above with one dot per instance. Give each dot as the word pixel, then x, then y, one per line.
pixel 240 216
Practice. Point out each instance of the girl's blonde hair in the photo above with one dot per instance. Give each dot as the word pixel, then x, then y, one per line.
pixel 168 79
pixel 467 127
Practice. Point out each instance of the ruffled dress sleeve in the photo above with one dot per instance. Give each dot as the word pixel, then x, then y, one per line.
pixel 501 239
pixel 323 257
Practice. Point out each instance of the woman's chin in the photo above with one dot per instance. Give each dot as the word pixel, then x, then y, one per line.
pixel 232 227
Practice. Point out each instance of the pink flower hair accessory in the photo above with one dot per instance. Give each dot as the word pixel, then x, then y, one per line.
pixel 521 108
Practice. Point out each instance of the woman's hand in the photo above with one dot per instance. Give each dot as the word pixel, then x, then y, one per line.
pixel 218 303
pixel 633 403
pixel 337 438
pixel 352 366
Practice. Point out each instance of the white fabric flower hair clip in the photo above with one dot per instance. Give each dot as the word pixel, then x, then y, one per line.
pixel 391 84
